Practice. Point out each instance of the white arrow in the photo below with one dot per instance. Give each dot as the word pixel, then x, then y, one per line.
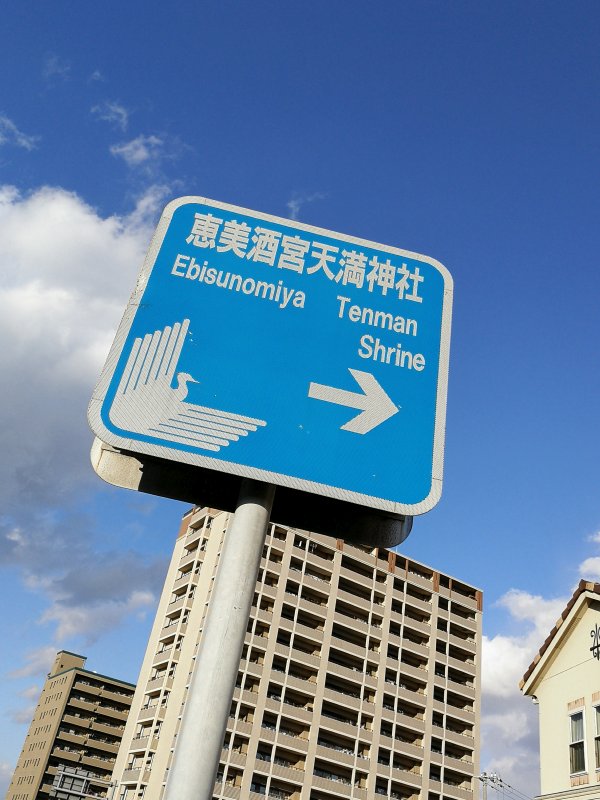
pixel 374 404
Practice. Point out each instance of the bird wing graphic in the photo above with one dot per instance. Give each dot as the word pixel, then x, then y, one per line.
pixel 213 428
pixel 147 403
pixel 154 358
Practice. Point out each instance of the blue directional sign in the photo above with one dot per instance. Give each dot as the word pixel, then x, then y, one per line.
pixel 269 349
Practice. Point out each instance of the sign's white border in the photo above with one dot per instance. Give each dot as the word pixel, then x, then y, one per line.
pixel 208 462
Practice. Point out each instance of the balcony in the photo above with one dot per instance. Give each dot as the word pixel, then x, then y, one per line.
pixel 416 648
pixel 107 747
pixel 291 741
pixel 176 605
pixel 302 684
pixel 356 577
pixel 468 602
pixel 463 619
pixel 411 696
pixel 417 603
pixel 463 644
pixel 313 607
pixel 342 787
pixel 163 656
pixel 241 726
pixel 462 689
pixel 417 626
pixel 86 687
pixel 451 791
pixel 416 671
pixel 288 773
pixel 309 633
pixel 463 714
pixel 187 559
pixel 345 727
pixel 407 777
pixel 360 602
pixel 101 726
pixel 352 622
pixel 85 705
pixel 318 584
pixel 348 647
pixel 325 564
pixel 465 666
pixel 194 535
pixel 99 762
pixel 343 699
pixel 291 711
pixel 228 791
pixel 139 744
pixel 131 775
pixel 460 765
pixel 463 739
pixel 269 591
pixel 151 712
pixel 158 683
pixel 111 711
pixel 337 755
pixel 262 615
pixel 307 659
pixel 73 719
pixel 406 748
pixel 351 674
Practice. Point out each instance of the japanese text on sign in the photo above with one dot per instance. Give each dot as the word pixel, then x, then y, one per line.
pixel 350 267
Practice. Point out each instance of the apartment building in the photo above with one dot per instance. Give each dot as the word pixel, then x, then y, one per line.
pixel 72 742
pixel 359 677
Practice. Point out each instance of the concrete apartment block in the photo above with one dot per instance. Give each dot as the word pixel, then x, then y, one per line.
pixel 359 677
pixel 72 742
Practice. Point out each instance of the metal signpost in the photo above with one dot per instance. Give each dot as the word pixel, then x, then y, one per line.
pixel 288 356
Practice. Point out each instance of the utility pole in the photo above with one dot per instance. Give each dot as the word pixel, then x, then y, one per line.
pixel 486 779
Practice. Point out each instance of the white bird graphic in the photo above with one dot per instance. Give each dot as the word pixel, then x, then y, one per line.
pixel 147 403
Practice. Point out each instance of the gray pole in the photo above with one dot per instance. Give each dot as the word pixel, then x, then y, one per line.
pixel 198 747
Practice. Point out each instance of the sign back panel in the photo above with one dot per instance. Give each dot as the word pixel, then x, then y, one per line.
pixel 266 348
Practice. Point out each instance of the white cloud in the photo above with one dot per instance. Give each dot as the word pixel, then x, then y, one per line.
pixel 140 151
pixel 89 622
pixel 37 662
pixel 534 609
pixel 297 200
pixel 65 275
pixel 510 720
pixel 55 68
pixel 6 771
pixel 31 692
pixel 11 135
pixel 97 76
pixel 23 716
pixel 590 568
pixel 113 112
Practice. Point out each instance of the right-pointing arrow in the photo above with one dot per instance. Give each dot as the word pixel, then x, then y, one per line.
pixel 374 404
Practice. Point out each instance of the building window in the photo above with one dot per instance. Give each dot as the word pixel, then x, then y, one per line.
pixel 576 747
pixel 597 737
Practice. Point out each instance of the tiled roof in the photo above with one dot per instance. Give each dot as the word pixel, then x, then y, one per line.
pixel 583 586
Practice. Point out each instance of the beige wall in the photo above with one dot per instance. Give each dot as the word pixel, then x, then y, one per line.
pixel 569 682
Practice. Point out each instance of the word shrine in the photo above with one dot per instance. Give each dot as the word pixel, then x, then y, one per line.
pixel 267 246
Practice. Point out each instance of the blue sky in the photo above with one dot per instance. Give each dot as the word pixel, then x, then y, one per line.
pixel 466 131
